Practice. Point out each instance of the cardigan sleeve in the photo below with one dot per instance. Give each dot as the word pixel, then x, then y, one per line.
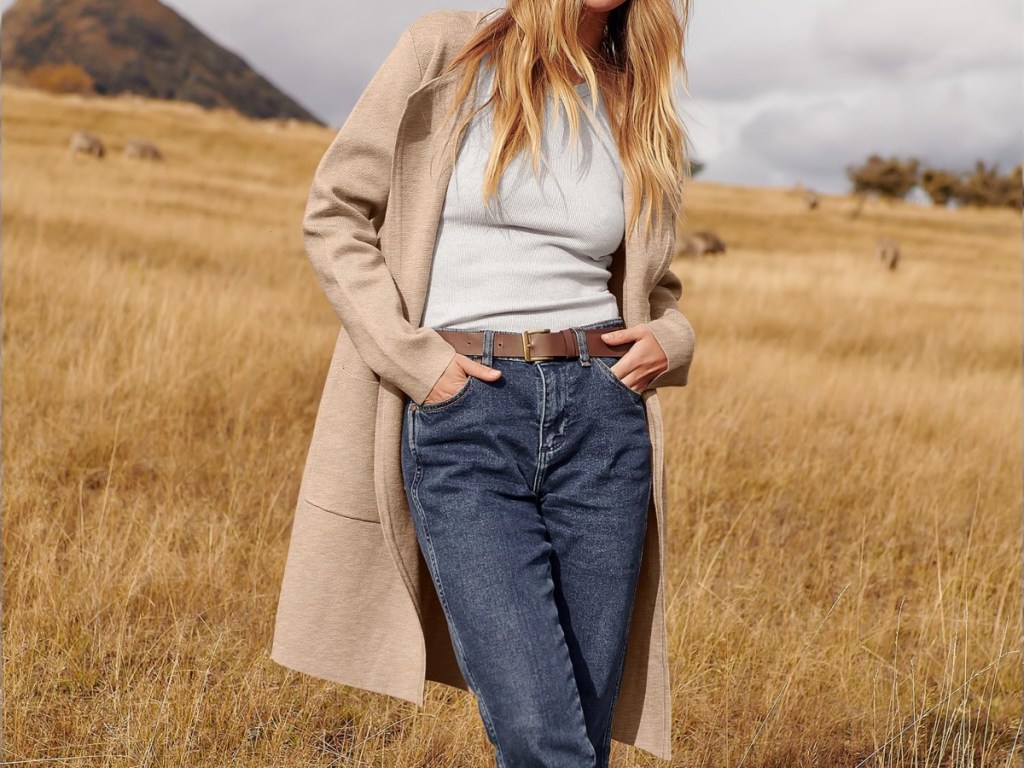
pixel 672 329
pixel 344 212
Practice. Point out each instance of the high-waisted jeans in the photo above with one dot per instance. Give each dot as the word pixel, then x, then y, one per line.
pixel 529 496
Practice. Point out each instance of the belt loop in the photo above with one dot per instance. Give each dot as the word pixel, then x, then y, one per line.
pixel 581 342
pixel 488 350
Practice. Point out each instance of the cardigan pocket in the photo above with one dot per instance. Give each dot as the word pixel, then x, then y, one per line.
pixel 349 359
pixel 339 474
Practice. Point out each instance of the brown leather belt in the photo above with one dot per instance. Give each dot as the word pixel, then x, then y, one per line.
pixel 541 344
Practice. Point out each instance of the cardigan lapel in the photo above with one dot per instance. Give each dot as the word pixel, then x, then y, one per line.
pixel 421 172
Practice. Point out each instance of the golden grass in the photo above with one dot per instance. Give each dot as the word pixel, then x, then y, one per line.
pixel 845 469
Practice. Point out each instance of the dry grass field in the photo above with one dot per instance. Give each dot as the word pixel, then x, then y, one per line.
pixel 844 468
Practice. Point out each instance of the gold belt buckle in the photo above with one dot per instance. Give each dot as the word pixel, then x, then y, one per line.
pixel 526 345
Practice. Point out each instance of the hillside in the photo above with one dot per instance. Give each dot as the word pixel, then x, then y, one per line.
pixel 137 46
pixel 843 543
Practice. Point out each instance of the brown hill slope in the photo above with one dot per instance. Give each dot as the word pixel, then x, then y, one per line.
pixel 141 46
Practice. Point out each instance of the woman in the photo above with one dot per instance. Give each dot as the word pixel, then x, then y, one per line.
pixel 481 328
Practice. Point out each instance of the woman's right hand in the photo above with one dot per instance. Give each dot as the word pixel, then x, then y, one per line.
pixel 455 376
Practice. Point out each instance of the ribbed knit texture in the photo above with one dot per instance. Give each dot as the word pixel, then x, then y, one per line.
pixel 540 256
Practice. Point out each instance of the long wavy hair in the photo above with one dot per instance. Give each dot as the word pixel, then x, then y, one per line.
pixel 533 50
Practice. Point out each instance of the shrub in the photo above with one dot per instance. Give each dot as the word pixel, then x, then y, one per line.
pixel 892 178
pixel 61 78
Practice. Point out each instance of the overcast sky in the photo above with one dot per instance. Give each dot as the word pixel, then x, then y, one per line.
pixel 780 92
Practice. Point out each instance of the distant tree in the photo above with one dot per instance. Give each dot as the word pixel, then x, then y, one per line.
pixel 894 178
pixel 984 186
pixel 1015 188
pixel 941 186
pixel 60 78
pixel 890 178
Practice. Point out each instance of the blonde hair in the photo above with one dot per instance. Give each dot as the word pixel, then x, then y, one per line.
pixel 534 49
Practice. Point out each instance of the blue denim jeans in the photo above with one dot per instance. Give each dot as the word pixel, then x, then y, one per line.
pixel 529 496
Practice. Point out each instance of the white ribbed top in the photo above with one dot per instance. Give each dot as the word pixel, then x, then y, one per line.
pixel 541 258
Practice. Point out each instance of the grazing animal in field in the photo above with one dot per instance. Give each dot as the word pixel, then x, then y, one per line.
pixel 142 150
pixel 858 207
pixel 83 141
pixel 810 197
pixel 888 251
pixel 272 125
pixel 701 242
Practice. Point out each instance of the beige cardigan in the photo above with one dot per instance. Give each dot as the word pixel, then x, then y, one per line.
pixel 357 604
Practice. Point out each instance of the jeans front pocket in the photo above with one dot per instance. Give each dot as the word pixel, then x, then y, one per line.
pixel 605 367
pixel 448 401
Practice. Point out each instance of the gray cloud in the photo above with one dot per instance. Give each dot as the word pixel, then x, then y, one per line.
pixel 798 96
pixel 917 40
pixel 947 123
pixel 741 51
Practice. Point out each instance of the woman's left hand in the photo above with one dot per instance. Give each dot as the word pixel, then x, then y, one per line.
pixel 644 361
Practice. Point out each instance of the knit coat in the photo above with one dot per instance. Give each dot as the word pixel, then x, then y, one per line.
pixel 357 605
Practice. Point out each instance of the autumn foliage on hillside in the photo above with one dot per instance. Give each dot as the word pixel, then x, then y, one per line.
pixel 60 78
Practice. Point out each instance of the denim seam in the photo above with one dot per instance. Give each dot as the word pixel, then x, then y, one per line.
pixel 444 602
pixel 540 430
pixel 625 634
pixel 606 737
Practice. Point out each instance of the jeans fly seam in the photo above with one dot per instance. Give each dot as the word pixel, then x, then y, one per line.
pixel 540 430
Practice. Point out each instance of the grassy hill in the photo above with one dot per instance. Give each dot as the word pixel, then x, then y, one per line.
pixel 845 468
